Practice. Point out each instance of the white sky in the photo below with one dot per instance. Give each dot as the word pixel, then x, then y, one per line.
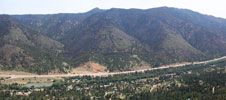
pixel 210 7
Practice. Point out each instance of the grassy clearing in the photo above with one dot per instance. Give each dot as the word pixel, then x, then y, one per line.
pixel 23 81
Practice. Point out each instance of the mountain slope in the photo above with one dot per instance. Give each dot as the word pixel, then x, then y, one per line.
pixel 106 45
pixel 124 39
pixel 54 25
pixel 23 48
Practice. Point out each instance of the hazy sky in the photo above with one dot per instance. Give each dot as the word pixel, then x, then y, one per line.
pixel 211 7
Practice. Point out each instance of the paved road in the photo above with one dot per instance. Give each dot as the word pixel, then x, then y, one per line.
pixel 112 73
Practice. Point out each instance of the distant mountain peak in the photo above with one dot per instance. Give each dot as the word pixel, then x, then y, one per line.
pixel 95 9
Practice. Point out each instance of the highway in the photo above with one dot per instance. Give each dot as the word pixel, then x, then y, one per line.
pixel 103 74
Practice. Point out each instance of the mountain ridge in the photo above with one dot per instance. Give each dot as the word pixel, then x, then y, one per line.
pixel 123 39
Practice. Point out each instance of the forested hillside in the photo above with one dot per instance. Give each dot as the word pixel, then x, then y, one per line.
pixel 119 39
pixel 25 49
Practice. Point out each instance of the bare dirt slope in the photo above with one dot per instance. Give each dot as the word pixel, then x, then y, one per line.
pixel 89 67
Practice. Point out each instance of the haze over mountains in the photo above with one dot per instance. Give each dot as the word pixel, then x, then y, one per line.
pixel 120 39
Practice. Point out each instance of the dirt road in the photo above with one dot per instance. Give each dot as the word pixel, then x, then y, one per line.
pixel 111 73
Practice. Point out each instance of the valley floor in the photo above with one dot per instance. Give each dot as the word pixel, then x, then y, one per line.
pixel 14 75
pixel 197 81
